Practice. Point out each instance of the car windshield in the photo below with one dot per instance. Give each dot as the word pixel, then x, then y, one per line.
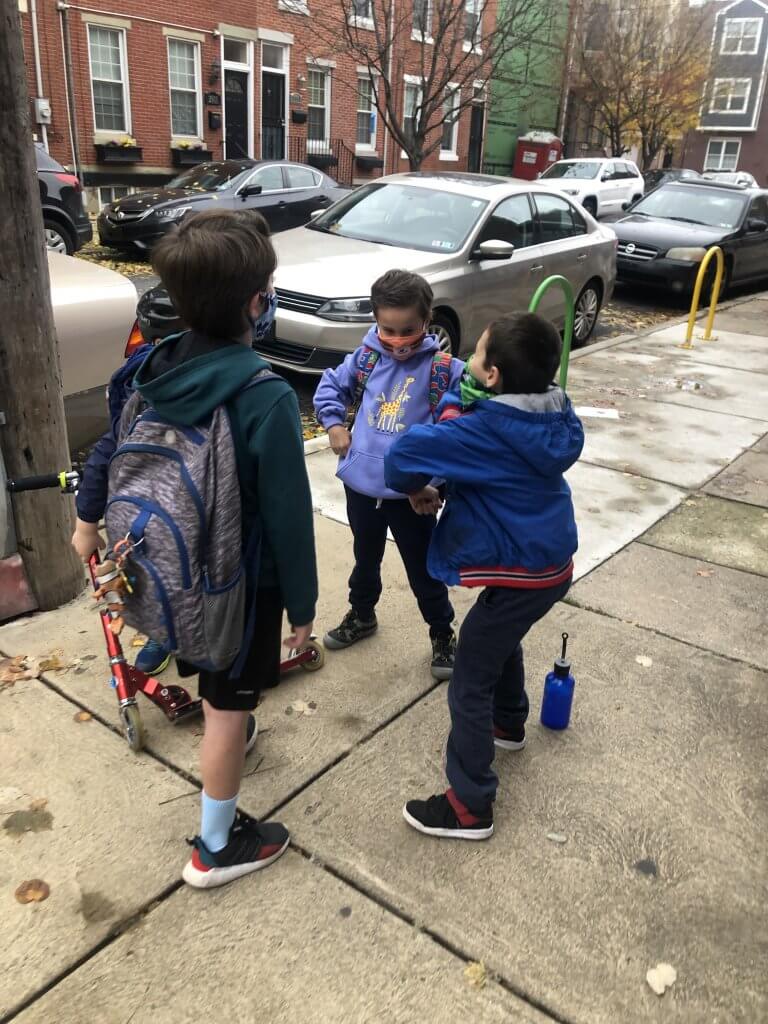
pixel 579 169
pixel 692 205
pixel 404 215
pixel 210 177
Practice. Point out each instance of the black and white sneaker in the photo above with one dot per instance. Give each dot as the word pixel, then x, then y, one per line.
pixel 252 845
pixel 509 739
pixel 446 817
pixel 443 655
pixel 251 733
pixel 349 631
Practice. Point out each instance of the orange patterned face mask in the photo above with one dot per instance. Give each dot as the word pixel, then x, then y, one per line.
pixel 402 344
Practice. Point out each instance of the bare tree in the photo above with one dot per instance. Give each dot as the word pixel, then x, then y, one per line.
pixel 449 49
pixel 643 67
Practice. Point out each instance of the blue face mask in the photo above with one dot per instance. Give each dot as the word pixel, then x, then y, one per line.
pixel 261 325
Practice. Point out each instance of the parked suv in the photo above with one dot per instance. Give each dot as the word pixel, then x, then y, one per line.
pixel 601 186
pixel 67 227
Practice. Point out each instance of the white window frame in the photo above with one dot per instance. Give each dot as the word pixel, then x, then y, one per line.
pixel 359 20
pixel 198 136
pixel 453 92
pixel 123 47
pixel 723 143
pixel 370 146
pixel 733 82
pixel 293 6
pixel 741 22
pixel 426 37
pixel 418 84
pixel 477 7
pixel 320 145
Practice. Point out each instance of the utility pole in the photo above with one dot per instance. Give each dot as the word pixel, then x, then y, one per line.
pixel 33 436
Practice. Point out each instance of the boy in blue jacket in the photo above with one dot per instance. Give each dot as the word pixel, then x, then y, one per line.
pixel 396 379
pixel 509 527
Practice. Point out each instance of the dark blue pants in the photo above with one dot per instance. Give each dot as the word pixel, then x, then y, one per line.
pixel 488 685
pixel 412 534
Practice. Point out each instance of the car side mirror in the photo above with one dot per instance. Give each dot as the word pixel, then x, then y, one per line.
pixel 493 249
pixel 605 177
pixel 250 190
pixel 626 206
pixel 315 214
pixel 757 224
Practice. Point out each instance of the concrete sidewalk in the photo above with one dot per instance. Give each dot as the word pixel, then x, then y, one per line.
pixel 636 837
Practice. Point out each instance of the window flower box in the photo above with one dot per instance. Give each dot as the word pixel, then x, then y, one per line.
pixel 118 153
pixel 322 160
pixel 369 163
pixel 190 157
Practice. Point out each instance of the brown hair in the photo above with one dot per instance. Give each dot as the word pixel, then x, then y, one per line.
pixel 399 289
pixel 212 265
pixel 525 348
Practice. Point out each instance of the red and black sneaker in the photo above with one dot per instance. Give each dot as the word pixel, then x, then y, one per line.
pixel 509 739
pixel 252 845
pixel 446 817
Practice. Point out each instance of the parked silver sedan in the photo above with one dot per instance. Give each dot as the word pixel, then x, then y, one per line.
pixel 483 243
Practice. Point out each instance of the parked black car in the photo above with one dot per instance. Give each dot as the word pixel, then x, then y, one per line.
pixel 664 175
pixel 67 226
pixel 285 193
pixel 667 233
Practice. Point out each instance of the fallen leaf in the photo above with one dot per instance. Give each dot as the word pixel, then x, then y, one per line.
pixel 13 670
pixel 138 640
pixel 83 716
pixel 33 891
pixel 300 707
pixel 661 977
pixel 475 975
pixel 644 660
pixel 705 572
pixel 52 663
pixel 39 804
pixel 557 837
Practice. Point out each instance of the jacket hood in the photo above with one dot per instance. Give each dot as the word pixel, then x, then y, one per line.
pixel 430 344
pixel 186 390
pixel 540 429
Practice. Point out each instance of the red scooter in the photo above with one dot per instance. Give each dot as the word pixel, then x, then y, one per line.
pixel 174 701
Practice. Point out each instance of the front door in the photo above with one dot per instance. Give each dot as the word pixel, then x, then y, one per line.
pixel 476 125
pixel 236 114
pixel 272 116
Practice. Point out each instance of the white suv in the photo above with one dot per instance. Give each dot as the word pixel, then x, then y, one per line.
pixel 601 186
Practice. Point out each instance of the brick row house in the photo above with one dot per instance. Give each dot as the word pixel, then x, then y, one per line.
pixel 733 124
pixel 137 89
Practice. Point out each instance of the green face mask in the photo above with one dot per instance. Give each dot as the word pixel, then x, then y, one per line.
pixel 471 388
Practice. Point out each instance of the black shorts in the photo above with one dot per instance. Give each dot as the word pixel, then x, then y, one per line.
pixel 262 665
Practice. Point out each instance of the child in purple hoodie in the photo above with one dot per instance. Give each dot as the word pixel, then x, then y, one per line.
pixel 394 381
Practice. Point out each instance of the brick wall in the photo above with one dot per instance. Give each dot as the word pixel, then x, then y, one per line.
pixel 146 25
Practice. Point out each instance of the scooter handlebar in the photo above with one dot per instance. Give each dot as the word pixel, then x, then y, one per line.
pixel 35 483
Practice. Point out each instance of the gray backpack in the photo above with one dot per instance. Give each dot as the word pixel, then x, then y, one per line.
pixel 174 499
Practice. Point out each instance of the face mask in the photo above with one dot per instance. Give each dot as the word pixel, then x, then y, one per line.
pixel 403 344
pixel 472 390
pixel 261 324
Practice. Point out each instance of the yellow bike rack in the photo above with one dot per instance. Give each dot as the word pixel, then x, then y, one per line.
pixel 565 285
pixel 717 253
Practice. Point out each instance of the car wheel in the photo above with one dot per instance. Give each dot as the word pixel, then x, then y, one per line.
pixel 57 238
pixel 590 205
pixel 586 309
pixel 446 332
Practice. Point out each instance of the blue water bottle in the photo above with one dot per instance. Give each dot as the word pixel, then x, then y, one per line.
pixel 558 693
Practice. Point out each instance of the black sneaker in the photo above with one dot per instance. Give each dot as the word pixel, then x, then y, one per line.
pixel 251 733
pixel 349 631
pixel 446 817
pixel 509 739
pixel 443 654
pixel 252 845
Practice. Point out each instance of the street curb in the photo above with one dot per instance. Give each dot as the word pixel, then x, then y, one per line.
pixel 316 444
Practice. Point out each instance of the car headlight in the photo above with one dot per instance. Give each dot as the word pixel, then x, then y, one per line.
pixel 693 254
pixel 172 212
pixel 347 310
pixel 571 191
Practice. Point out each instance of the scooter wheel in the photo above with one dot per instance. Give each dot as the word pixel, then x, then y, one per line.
pixel 132 728
pixel 318 659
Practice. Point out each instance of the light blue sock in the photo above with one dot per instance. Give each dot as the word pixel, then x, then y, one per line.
pixel 217 818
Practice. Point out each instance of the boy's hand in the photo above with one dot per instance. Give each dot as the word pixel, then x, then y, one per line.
pixel 298 637
pixel 427 501
pixel 340 439
pixel 86 539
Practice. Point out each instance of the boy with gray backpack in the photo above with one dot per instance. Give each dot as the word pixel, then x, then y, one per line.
pixel 210 515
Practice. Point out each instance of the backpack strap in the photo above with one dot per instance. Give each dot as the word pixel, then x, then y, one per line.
pixel 259 378
pixel 365 364
pixel 440 379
